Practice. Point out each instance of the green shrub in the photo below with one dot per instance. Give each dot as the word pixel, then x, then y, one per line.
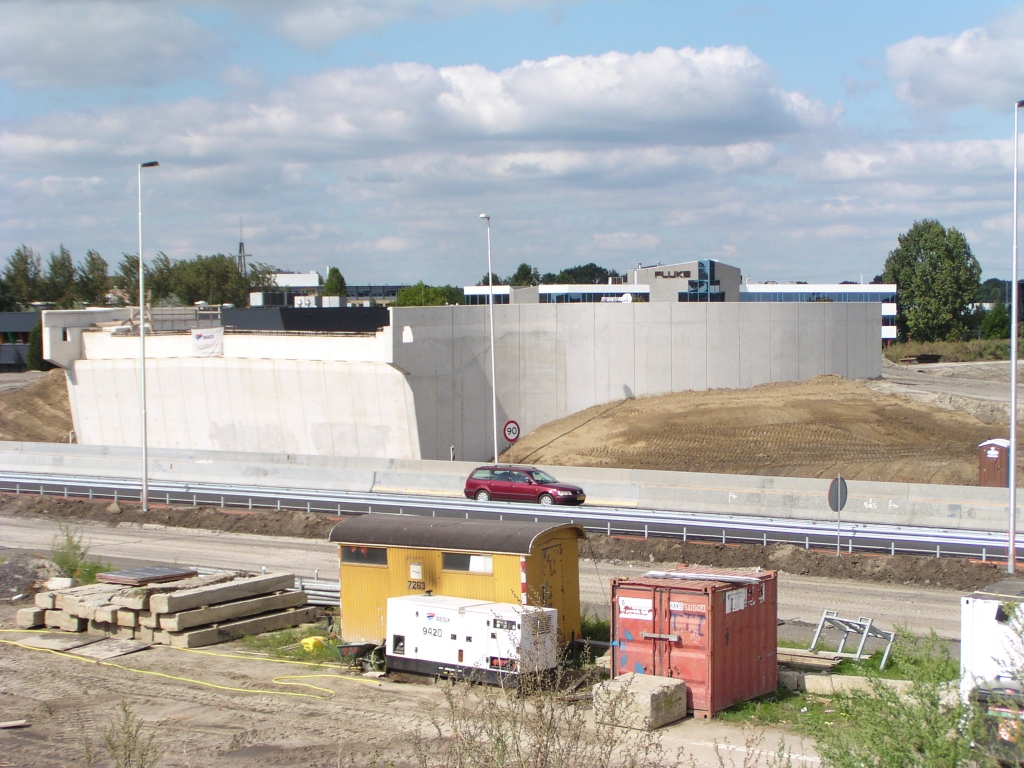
pixel 68 554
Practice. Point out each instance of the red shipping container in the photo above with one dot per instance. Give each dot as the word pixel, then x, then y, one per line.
pixel 714 628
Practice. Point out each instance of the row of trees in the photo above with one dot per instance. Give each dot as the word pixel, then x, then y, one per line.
pixel 169 282
pixel 583 274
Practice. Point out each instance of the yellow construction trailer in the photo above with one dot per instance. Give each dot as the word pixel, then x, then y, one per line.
pixel 383 555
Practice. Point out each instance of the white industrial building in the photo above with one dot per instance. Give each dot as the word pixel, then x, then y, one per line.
pixel 416 382
pixel 701 281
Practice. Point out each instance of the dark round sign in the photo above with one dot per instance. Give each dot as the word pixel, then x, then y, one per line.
pixel 837 494
pixel 511 431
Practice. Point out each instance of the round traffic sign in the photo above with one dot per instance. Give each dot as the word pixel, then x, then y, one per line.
pixel 511 431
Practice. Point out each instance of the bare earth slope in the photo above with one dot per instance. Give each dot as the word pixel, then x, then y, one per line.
pixel 38 412
pixel 809 429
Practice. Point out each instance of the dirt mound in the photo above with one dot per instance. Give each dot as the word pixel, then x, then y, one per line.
pixel 946 572
pixel 24 575
pixel 268 523
pixel 37 413
pixel 951 573
pixel 814 428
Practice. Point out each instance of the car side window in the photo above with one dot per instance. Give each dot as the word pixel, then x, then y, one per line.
pixel 519 477
pixel 502 476
pixel 482 474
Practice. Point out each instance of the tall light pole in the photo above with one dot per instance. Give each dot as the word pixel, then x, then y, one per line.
pixel 1011 549
pixel 490 306
pixel 144 494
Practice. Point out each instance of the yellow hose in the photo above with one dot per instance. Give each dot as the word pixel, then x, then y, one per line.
pixel 203 682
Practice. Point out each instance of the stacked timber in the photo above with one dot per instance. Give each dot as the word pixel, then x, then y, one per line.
pixel 188 613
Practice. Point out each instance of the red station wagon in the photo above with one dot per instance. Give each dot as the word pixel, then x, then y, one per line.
pixel 526 484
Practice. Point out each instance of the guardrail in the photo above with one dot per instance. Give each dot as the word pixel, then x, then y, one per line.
pixel 850 537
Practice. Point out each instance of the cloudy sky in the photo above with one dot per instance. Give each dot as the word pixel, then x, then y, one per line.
pixel 795 140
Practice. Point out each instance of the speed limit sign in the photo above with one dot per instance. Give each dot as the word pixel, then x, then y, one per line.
pixel 511 431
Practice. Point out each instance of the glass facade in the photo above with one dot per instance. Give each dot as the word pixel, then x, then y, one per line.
pixel 481 298
pixel 579 297
pixel 852 295
pixel 706 288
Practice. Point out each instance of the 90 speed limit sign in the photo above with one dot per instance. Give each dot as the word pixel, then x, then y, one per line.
pixel 511 431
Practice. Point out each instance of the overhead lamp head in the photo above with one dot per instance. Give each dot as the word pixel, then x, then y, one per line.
pixel 151 164
pixel 1020 104
pixel 485 216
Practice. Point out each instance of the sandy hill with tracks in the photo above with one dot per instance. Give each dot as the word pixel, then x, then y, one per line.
pixel 808 429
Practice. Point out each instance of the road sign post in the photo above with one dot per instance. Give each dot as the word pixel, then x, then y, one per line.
pixel 836 501
pixel 511 431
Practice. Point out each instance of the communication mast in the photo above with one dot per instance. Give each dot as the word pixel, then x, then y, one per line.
pixel 243 266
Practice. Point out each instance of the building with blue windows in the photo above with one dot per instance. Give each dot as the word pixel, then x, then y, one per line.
pixel 883 294
pixel 700 281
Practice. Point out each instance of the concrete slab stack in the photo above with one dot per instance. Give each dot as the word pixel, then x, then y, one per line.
pixel 189 613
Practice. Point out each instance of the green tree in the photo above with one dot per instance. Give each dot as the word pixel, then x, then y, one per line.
pixel 525 275
pixel 993 290
pixel 261 277
pixel 126 277
pixel 421 295
pixel 24 275
pixel 996 323
pixel 936 277
pixel 34 353
pixel 213 279
pixel 91 280
pixel 335 285
pixel 495 280
pixel 59 283
pixel 7 302
pixel 585 274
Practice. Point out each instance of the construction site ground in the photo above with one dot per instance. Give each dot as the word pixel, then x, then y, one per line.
pixel 920 424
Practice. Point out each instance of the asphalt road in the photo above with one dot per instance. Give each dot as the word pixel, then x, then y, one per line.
pixel 801 598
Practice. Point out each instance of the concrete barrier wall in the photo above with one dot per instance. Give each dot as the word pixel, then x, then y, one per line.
pixel 939 506
pixel 269 405
pixel 556 360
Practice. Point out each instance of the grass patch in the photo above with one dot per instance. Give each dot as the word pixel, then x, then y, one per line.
pixel 68 554
pixel 924 659
pixel 593 628
pixel 801 712
pixel 287 644
pixel 952 351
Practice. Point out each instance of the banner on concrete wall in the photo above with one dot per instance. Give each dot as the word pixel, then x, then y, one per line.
pixel 207 342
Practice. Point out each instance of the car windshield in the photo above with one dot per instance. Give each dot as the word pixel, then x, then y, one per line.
pixel 543 477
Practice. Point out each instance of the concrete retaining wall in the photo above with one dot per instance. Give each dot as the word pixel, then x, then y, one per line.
pixel 939 506
pixel 556 360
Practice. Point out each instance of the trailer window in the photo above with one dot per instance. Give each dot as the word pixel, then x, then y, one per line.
pixel 364 555
pixel 457 561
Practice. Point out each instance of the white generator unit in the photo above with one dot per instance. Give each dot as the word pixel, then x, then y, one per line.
pixel 991 646
pixel 472 639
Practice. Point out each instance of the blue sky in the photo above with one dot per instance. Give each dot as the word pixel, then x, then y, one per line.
pixel 795 140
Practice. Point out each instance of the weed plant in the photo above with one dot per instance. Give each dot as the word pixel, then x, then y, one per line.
pixel 126 742
pixel 68 554
pixel 287 644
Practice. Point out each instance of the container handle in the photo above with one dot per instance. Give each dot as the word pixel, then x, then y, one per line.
pixel 656 636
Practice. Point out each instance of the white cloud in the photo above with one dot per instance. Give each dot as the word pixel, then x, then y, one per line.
pixel 391 244
pixel 979 66
pixel 626 241
pixel 318 23
pixel 71 43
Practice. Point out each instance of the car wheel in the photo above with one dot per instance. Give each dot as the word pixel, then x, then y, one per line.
pixel 546 500
pixel 483 496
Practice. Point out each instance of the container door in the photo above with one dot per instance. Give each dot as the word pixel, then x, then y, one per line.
pixel 689 654
pixel 633 623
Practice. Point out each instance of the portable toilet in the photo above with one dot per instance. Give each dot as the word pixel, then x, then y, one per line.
pixel 994 463
pixel 384 555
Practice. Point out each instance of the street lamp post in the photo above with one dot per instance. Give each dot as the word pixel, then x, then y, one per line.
pixel 144 494
pixel 490 306
pixel 1011 549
